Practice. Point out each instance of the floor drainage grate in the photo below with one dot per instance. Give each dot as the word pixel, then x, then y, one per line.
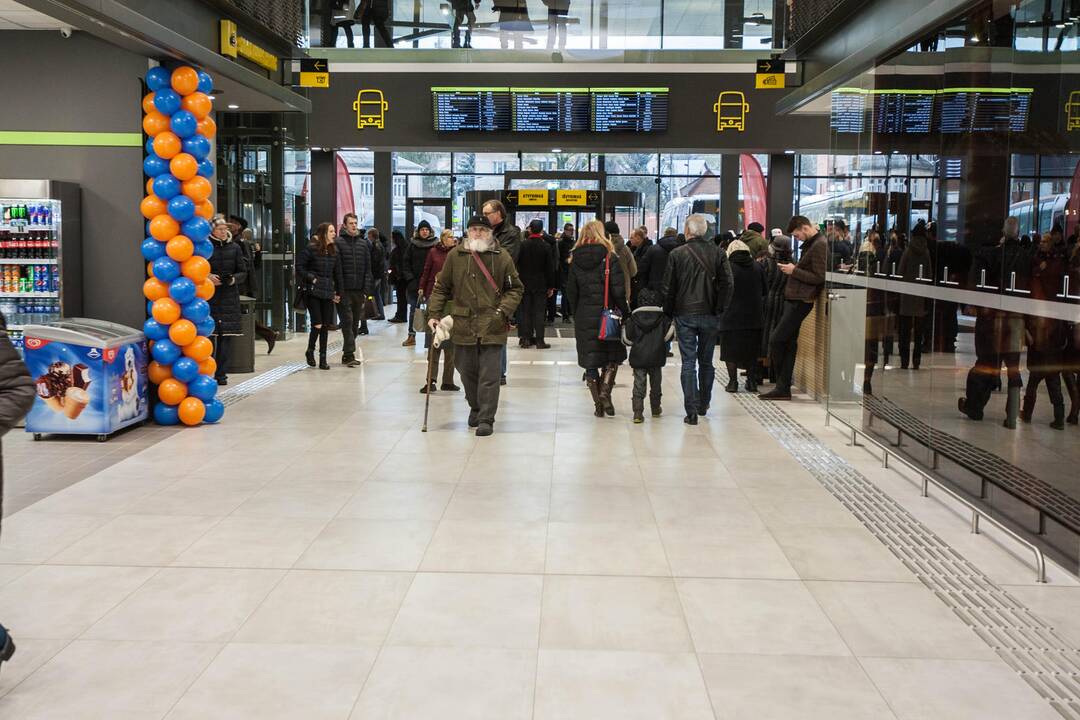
pixel 1032 648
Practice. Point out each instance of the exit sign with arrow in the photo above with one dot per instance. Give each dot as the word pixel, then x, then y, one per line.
pixel 314 72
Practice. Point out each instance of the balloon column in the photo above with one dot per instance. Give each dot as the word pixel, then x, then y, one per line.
pixel 177 208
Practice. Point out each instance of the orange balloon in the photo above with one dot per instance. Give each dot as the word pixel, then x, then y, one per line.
pixel 180 248
pixel 196 269
pixel 198 104
pixel 148 103
pixel 208 367
pixel 199 349
pixel 150 186
pixel 163 227
pixel 154 124
pixel 182 332
pixel 154 289
pixel 205 290
pixel 172 391
pixel 166 144
pixel 166 311
pixel 150 269
pixel 205 209
pixel 192 411
pixel 157 372
pixel 184 166
pixel 185 80
pixel 197 188
pixel 207 128
pixel 152 206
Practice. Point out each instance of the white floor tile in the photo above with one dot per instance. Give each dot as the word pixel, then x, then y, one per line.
pixel 487 547
pixel 369 545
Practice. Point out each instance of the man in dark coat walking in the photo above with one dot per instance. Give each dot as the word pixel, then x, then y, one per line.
pixel 16 398
pixel 564 245
pixel 228 271
pixel 536 267
pixel 355 253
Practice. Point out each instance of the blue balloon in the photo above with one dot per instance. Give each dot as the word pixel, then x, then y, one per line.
pixel 197 146
pixel 166 269
pixel 155 330
pixel 149 146
pixel 207 327
pixel 182 208
pixel 182 290
pixel 165 351
pixel 149 307
pixel 185 370
pixel 183 123
pixel 152 249
pixel 167 101
pixel 206 168
pixel 203 387
pixel 204 248
pixel 153 166
pixel 214 411
pixel 206 83
pixel 166 186
pixel 196 229
pixel 196 311
pixel 166 414
pixel 158 78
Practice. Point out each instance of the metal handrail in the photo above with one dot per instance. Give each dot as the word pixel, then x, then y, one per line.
pixel 976 512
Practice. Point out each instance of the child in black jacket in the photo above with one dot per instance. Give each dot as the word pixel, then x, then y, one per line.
pixel 646 332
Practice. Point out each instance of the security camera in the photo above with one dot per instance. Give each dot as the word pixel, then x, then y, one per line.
pixel 65 31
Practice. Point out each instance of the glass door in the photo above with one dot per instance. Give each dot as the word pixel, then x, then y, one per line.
pixel 437 212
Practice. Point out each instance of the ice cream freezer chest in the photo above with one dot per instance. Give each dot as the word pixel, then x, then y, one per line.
pixel 90 377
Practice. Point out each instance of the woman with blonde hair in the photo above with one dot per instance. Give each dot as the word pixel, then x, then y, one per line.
pixel 596 282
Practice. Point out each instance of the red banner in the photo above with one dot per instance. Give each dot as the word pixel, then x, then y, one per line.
pixel 345 202
pixel 753 190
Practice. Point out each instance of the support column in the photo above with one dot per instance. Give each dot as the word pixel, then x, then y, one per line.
pixel 384 193
pixel 323 191
pixel 729 194
pixel 781 189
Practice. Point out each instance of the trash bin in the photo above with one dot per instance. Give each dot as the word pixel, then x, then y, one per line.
pixel 90 377
pixel 243 347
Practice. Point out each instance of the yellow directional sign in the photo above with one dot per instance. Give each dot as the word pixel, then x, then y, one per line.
pixel 532 197
pixel 574 198
pixel 769 81
pixel 314 72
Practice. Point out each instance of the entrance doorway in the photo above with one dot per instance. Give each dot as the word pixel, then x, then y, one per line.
pixel 437 211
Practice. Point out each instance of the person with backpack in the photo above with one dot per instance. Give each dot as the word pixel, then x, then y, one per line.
pixel 16 398
pixel 697 288
pixel 647 332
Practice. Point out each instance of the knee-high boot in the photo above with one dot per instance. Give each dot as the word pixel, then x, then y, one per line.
pixel 607 382
pixel 324 334
pixel 313 335
pixel 1012 408
pixel 1073 388
pixel 594 390
pixel 732 378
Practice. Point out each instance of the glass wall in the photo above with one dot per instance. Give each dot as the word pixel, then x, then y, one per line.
pixel 954 305
pixel 553 25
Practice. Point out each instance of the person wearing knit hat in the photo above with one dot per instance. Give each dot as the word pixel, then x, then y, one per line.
pixel 743 318
pixel 754 240
pixel 481 281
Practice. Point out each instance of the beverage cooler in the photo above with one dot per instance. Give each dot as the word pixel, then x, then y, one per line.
pixel 40 253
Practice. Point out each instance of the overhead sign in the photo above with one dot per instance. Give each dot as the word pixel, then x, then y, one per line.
pixel 532 197
pixel 232 45
pixel 314 72
pixel 370 107
pixel 572 198
pixel 731 108
pixel 770 74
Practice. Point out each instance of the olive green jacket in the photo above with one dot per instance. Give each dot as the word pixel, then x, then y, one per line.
pixel 474 302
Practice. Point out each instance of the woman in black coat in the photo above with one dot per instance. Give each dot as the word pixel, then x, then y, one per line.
pixel 779 252
pixel 593 264
pixel 319 270
pixel 228 272
pixel 744 317
pixel 397 275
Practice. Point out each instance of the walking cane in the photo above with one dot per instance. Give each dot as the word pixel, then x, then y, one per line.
pixel 427 386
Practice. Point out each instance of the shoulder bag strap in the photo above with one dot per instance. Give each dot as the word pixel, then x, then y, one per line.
pixel 487 273
pixel 607 280
pixel 701 261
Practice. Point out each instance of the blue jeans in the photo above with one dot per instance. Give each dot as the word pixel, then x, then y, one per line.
pixel 414 300
pixel 697 342
pixel 380 288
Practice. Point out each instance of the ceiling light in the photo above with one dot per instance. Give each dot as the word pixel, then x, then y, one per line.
pixel 234 107
pixel 556 150
pixel 974 38
pixel 212 97
pixel 1060 26
pixel 317 149
pixel 789 152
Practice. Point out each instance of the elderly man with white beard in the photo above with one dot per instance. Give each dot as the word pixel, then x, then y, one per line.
pixel 479 287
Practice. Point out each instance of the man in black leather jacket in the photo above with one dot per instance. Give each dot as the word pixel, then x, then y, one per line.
pixel 697 288
pixel 16 398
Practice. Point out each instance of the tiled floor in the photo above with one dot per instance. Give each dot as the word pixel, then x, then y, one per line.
pixel 317 556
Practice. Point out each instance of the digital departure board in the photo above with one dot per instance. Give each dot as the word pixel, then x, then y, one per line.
pixel 848 113
pixel 629 109
pixel 550 109
pixel 485 109
pixel 904 112
pixel 984 109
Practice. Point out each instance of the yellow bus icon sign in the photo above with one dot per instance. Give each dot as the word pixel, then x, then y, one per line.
pixel 370 107
pixel 1072 111
pixel 731 108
